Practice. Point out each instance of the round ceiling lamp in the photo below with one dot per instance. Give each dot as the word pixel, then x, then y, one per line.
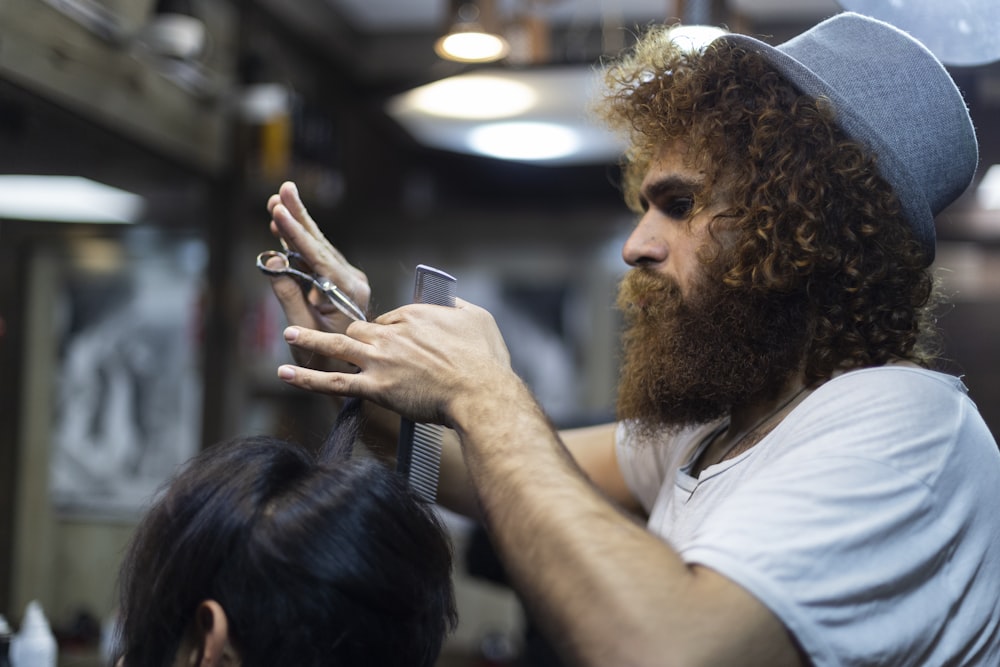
pixel 468 41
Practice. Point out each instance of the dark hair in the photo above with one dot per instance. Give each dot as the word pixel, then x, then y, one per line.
pixel 814 217
pixel 316 558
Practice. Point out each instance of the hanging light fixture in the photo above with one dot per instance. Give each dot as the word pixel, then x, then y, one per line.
pixel 174 31
pixel 468 40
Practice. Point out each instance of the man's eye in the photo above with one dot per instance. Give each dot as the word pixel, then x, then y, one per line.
pixel 679 208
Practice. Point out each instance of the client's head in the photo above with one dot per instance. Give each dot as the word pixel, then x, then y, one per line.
pixel 262 553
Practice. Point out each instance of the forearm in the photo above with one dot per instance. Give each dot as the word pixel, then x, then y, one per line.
pixel 529 487
pixel 591 447
pixel 606 591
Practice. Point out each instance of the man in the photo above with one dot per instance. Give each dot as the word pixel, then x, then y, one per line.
pixel 813 493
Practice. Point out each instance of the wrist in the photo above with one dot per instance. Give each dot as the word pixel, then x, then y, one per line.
pixel 500 402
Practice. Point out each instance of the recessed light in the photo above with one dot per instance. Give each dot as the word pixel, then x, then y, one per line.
pixel 524 140
pixel 66 199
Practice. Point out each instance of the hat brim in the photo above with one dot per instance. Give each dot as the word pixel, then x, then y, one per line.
pixel 915 206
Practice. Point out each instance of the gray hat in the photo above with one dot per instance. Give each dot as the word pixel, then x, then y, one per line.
pixel 892 95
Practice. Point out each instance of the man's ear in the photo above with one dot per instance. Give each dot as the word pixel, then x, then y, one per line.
pixel 210 645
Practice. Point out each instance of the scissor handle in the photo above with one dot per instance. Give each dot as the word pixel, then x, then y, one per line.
pixel 266 256
pixel 286 268
pixel 341 301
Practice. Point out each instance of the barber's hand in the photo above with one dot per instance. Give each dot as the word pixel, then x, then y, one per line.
pixel 416 360
pixel 290 221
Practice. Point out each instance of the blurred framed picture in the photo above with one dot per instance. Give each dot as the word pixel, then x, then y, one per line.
pixel 128 384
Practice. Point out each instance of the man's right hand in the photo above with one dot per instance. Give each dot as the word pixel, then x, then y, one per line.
pixel 291 222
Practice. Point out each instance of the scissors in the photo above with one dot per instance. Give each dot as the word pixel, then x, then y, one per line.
pixel 288 259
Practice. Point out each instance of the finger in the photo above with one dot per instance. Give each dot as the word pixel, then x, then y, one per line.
pixel 394 316
pixel 337 384
pixel 314 248
pixel 304 235
pixel 273 201
pixel 332 345
pixel 289 195
pixel 288 226
pixel 293 302
pixel 415 312
pixel 316 252
pixel 280 230
pixel 319 254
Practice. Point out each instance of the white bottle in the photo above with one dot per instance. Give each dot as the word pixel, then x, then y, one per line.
pixel 6 634
pixel 34 645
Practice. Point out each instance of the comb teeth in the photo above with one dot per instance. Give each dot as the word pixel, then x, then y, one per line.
pixel 434 286
pixel 418 456
pixel 425 459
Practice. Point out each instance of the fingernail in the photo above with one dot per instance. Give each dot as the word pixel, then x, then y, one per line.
pixel 291 334
pixel 286 372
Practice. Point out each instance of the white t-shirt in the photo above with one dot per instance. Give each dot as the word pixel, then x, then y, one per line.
pixel 868 520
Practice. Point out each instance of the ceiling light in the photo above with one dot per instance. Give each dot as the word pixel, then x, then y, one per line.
pixel 469 41
pixel 470 96
pixel 447 114
pixel 528 141
pixel 66 199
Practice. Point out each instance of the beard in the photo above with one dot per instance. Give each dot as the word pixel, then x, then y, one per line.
pixel 690 360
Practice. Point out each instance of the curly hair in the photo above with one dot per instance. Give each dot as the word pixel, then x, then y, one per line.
pixel 812 214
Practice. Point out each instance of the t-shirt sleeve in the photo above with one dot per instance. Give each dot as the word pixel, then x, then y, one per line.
pixel 640 464
pixel 845 532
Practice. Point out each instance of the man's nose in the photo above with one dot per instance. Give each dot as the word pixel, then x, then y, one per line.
pixel 647 243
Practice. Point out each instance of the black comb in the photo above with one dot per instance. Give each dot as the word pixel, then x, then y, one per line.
pixel 418 456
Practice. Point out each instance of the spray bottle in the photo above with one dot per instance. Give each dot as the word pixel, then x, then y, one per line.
pixel 34 645
pixel 5 637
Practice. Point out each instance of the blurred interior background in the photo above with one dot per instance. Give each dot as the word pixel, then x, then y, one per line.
pixel 135 329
